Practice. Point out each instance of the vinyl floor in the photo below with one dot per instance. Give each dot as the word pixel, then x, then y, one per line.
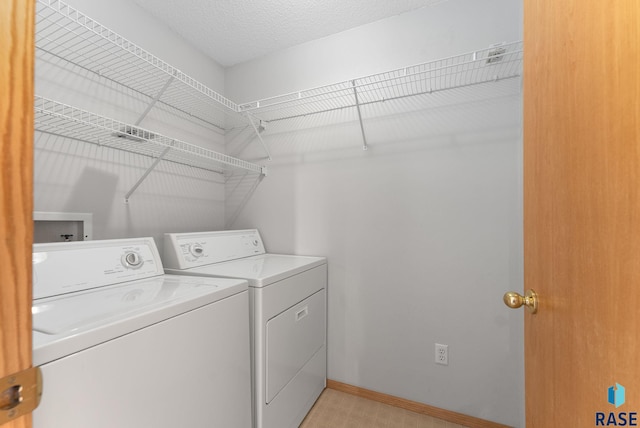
pixel 336 409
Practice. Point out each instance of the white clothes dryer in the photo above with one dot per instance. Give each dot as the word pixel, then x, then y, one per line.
pixel 121 344
pixel 287 297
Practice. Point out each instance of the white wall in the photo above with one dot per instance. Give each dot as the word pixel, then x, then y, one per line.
pixel 423 231
pixel 74 176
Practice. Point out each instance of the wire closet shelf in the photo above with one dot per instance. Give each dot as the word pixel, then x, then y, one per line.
pixel 499 62
pixel 63 32
pixel 56 118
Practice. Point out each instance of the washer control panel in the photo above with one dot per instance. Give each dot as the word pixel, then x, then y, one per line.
pixel 186 250
pixel 67 267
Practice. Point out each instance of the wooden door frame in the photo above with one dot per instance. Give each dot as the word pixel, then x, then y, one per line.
pixel 17 47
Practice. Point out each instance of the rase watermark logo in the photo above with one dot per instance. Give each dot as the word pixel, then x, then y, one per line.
pixel 616 397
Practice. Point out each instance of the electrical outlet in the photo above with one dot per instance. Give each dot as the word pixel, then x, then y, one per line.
pixel 442 354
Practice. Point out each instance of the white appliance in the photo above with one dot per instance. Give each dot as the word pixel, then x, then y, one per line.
pixel 121 344
pixel 287 296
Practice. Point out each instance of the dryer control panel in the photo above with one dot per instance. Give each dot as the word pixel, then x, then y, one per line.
pixel 67 267
pixel 187 250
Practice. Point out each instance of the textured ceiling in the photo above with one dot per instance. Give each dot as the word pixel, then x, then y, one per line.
pixel 234 31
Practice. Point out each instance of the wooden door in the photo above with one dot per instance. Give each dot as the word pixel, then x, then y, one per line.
pixel 582 208
pixel 16 187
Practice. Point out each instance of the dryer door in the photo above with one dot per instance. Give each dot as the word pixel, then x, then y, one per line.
pixel 293 337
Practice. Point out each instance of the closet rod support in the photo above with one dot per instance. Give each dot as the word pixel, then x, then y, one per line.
pixel 154 100
pixel 364 137
pixel 257 131
pixel 147 172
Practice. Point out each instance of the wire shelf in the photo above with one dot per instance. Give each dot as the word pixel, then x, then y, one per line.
pixel 60 119
pixel 498 62
pixel 65 33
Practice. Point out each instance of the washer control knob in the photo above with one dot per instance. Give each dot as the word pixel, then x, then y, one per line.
pixel 132 260
pixel 196 250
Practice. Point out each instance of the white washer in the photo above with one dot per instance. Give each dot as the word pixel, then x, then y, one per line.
pixel 287 297
pixel 121 344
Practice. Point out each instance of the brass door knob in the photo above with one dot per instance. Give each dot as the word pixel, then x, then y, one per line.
pixel 515 300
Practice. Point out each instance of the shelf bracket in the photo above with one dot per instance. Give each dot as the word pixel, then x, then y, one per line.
pixel 154 101
pixel 147 172
pixel 364 137
pixel 255 128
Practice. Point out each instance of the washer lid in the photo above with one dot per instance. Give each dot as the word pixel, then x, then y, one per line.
pixel 260 270
pixel 66 324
